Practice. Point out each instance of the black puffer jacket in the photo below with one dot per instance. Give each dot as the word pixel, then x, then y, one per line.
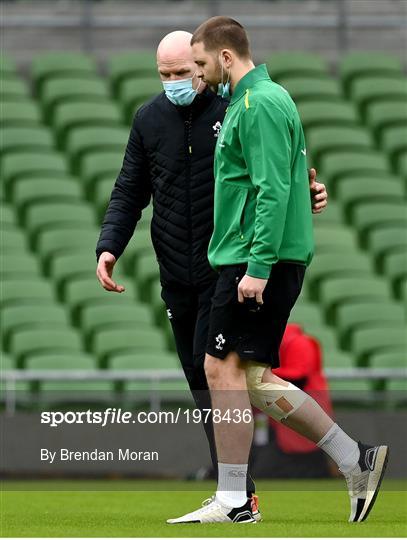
pixel 169 156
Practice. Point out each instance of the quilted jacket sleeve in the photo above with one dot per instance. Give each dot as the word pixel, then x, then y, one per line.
pixel 130 195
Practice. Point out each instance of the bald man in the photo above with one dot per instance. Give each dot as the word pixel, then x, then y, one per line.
pixel 169 158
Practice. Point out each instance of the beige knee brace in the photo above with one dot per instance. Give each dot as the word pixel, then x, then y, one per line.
pixel 274 399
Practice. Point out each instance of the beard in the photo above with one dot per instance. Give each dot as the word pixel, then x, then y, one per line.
pixel 216 78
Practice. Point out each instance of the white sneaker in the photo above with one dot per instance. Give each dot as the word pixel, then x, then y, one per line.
pixel 213 512
pixel 364 481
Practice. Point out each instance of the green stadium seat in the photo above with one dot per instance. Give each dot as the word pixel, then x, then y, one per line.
pixel 321 140
pixel 373 89
pixel 353 315
pixel 298 64
pixel 331 216
pixel 334 264
pixel 32 164
pixel 30 341
pixel 71 264
pixel 7 216
pixel 29 191
pixel 398 387
pixel 337 165
pixel 20 139
pixel 12 240
pixel 334 238
pixel 386 360
pixel 307 89
pixel 369 340
pixel 145 361
pixel 63 90
pixel 386 114
pixel 338 359
pixel 140 245
pixel 81 114
pixel 131 64
pixel 20 114
pixel 353 190
pixel 73 360
pixel 90 139
pixel 117 316
pixel 145 274
pixel 370 215
pixel 338 290
pixel 82 292
pixel 395 143
pixel 402 167
pixel 326 338
pixel 136 91
pixel 102 192
pixel 19 266
pixel 368 64
pixel 306 313
pixel 96 166
pixel 109 341
pixel 63 240
pixel 7 363
pixel 137 390
pixel 41 216
pixel 395 269
pixel 403 289
pixel 13 90
pixel 7 67
pixel 26 317
pixel 350 390
pixel 61 64
pixel 30 291
pixel 328 114
pixel 68 391
pixel 384 240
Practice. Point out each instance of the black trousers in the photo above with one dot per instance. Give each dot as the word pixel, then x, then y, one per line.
pixel 189 309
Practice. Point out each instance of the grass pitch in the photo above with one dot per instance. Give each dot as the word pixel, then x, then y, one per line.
pixel 138 509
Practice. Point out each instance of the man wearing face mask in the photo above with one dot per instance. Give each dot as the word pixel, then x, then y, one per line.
pixel 261 245
pixel 169 157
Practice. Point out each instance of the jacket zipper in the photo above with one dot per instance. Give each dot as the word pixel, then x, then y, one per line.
pixel 188 153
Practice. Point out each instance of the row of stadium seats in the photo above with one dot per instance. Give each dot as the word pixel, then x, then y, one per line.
pixel 62 150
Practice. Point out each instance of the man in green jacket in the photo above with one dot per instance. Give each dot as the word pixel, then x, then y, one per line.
pixel 261 245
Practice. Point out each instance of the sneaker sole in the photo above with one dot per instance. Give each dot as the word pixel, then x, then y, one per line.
pixel 257 517
pixel 375 479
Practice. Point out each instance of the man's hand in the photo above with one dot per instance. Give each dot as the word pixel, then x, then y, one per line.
pixel 251 287
pixel 104 272
pixel 318 193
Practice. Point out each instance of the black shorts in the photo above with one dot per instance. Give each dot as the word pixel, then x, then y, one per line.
pixel 254 332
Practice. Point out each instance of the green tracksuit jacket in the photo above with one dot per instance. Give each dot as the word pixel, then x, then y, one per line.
pixel 262 197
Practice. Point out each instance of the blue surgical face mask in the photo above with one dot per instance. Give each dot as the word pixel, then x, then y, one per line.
pixel 181 92
pixel 224 88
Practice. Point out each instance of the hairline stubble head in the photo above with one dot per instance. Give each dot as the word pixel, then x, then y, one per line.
pixel 220 33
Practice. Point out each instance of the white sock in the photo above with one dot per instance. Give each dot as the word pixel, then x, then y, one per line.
pixel 231 490
pixel 341 448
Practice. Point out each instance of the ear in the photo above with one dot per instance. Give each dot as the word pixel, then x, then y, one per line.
pixel 227 56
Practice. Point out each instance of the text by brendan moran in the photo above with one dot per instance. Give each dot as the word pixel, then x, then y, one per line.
pixel 120 454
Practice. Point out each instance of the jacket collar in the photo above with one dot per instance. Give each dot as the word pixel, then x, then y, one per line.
pixel 258 73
